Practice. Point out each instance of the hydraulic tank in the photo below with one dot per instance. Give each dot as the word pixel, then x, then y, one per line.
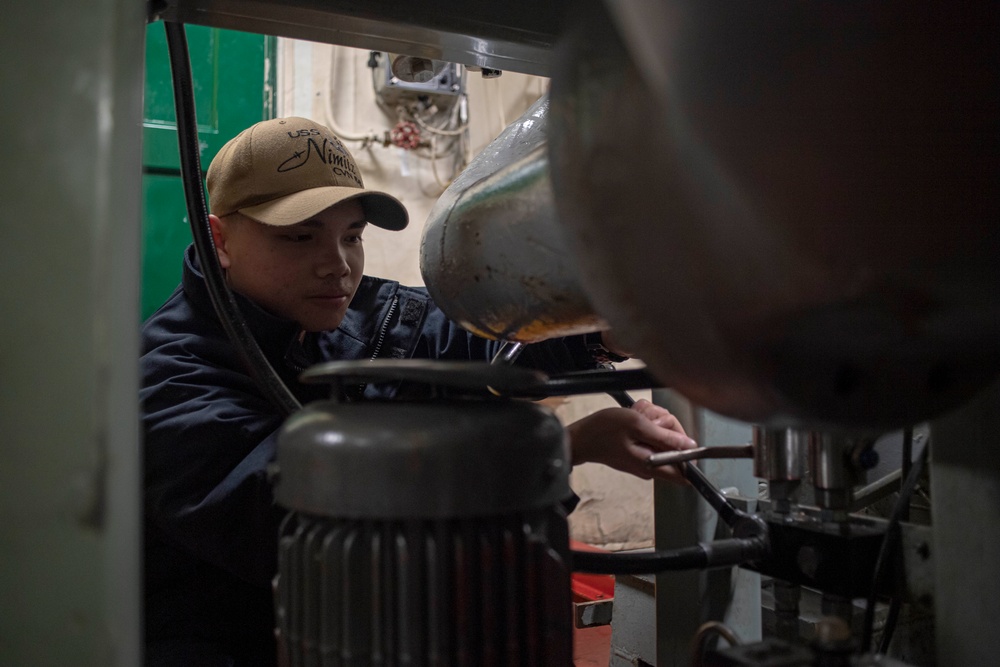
pixel 494 256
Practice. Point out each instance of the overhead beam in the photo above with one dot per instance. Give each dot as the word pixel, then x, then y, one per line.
pixel 514 35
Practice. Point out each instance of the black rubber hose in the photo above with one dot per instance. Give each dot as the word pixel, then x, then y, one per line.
pixel 729 514
pixel 622 398
pixel 649 562
pixel 890 543
pixel 751 543
pixel 890 624
pixel 894 606
pixel 720 553
pixel 599 382
pixel 906 464
pixel 222 298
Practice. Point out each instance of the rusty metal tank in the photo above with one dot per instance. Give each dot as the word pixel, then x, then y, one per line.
pixel 493 253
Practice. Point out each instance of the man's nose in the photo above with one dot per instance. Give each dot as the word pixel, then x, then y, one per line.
pixel 333 261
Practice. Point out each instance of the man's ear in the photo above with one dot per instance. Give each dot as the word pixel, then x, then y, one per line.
pixel 220 235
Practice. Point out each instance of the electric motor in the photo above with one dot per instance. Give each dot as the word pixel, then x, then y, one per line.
pixel 424 532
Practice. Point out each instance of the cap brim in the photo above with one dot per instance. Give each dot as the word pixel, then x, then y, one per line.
pixel 381 209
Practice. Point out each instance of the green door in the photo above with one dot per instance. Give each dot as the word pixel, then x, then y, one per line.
pixel 233 76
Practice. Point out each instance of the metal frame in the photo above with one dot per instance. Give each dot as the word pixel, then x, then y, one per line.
pixel 69 342
pixel 516 35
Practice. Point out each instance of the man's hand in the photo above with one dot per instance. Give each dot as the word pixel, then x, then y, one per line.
pixel 623 438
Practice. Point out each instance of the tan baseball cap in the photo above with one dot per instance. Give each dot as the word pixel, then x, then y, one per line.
pixel 286 170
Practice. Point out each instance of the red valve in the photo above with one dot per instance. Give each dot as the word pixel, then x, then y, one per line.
pixel 406 135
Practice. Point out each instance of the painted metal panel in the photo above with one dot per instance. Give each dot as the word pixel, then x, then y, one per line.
pixel 965 493
pixel 233 82
pixel 69 266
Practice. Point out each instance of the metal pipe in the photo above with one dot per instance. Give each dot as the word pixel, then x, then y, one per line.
pixel 721 452
pixel 508 353
pixel 750 541
pixel 779 457
pixel 704 633
pixel 779 454
pixel 877 490
pixel 829 467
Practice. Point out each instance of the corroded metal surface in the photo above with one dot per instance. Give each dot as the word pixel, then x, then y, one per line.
pixel 494 256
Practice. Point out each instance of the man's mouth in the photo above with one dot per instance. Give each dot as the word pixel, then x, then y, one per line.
pixel 331 298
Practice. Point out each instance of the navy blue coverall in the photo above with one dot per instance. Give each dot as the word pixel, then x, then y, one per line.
pixel 209 434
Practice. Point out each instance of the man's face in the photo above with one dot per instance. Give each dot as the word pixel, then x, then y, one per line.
pixel 306 272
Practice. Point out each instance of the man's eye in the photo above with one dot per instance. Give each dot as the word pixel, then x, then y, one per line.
pixel 355 239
